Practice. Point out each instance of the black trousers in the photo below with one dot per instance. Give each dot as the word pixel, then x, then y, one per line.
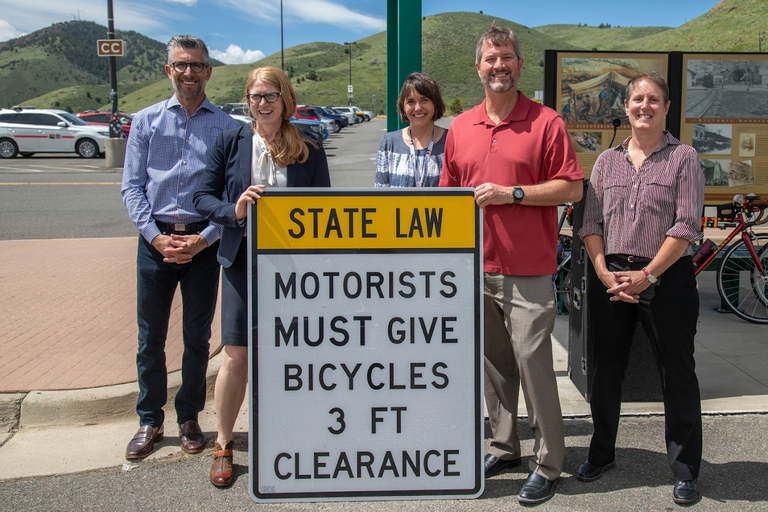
pixel 669 312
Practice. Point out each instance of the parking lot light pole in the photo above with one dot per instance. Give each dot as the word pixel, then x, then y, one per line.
pixel 349 50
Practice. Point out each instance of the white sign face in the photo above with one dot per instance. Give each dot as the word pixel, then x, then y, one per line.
pixel 349 89
pixel 366 369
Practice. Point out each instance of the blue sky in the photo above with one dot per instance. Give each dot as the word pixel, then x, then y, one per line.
pixel 240 31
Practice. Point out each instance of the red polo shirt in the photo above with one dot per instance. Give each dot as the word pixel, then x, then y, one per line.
pixel 530 146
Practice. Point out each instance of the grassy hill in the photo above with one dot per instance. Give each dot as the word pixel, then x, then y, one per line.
pixel 64 56
pixel 730 26
pixel 585 37
pixel 448 53
pixel 320 70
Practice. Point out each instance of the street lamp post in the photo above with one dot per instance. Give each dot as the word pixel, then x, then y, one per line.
pixel 349 50
pixel 282 51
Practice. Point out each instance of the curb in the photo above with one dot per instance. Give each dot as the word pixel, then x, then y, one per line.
pixel 79 407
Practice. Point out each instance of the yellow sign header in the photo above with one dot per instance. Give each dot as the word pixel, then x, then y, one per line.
pixel 375 221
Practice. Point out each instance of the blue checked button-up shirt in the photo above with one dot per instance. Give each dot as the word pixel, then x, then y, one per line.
pixel 166 153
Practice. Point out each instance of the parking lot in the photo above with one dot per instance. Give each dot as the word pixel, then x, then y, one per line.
pixel 65 196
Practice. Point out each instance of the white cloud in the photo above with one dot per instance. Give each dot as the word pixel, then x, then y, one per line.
pixel 8 31
pixel 188 3
pixel 325 12
pixel 236 55
pixel 31 15
pixel 332 13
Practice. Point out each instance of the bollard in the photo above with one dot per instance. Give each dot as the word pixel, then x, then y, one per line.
pixel 115 152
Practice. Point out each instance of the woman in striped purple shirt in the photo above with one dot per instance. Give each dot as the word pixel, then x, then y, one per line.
pixel 643 211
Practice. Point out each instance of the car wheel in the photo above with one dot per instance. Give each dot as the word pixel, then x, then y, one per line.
pixel 367 118
pixel 87 148
pixel 8 148
pixel 26 154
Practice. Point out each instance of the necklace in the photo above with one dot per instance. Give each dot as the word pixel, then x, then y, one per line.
pixel 422 176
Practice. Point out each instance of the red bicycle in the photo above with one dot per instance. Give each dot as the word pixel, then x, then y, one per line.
pixel 742 278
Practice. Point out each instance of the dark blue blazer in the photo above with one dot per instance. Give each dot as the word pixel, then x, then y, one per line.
pixel 229 171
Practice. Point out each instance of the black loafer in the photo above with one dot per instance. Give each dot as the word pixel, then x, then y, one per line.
pixel 589 472
pixel 536 489
pixel 495 465
pixel 686 492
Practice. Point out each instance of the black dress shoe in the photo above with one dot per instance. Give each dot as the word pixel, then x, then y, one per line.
pixel 536 489
pixel 686 492
pixel 191 438
pixel 589 472
pixel 495 465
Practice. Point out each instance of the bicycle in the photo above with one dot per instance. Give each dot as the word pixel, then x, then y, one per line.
pixel 562 276
pixel 742 277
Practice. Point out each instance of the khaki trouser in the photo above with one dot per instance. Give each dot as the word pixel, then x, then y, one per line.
pixel 519 318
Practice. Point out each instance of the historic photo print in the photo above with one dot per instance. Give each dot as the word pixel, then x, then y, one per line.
pixel 733 89
pixel 592 89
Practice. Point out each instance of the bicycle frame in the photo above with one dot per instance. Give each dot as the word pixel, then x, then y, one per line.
pixel 741 227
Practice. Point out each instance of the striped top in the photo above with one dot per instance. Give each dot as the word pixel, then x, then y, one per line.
pixel 395 169
pixel 634 211
pixel 165 156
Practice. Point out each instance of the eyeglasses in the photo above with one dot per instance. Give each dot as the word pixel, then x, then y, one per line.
pixel 255 99
pixel 181 66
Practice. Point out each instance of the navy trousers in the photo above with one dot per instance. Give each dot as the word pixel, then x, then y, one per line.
pixel 156 286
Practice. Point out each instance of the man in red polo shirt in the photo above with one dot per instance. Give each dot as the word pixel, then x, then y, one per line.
pixel 518 156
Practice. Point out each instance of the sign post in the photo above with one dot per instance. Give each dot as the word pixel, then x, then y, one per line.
pixel 366 345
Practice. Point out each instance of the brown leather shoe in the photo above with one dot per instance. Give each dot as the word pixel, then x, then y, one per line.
pixel 143 442
pixel 192 438
pixel 222 474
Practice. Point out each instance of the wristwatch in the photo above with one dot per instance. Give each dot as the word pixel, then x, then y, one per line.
pixel 517 195
pixel 650 277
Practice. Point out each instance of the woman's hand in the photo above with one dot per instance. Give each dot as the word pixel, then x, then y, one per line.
pixel 629 285
pixel 250 196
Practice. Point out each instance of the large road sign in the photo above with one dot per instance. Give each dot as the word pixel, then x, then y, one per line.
pixel 366 345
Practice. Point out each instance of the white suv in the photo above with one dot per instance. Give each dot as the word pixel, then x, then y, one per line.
pixel 30 131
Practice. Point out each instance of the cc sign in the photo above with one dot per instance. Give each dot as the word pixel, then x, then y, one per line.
pixel 110 47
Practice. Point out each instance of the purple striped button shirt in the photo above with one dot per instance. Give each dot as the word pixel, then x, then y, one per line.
pixel 634 211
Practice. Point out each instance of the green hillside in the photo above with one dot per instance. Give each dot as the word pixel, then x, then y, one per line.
pixel 448 53
pixel 43 62
pixel 730 26
pixel 64 55
pixel 585 37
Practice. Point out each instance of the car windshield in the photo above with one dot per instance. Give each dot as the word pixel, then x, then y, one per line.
pixel 72 119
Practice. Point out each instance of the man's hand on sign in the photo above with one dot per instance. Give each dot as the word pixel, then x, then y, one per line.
pixel 250 196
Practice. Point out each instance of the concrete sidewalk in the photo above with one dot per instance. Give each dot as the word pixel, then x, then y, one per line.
pixel 68 341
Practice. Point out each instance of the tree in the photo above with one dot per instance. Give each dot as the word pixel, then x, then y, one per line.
pixel 311 75
pixel 455 107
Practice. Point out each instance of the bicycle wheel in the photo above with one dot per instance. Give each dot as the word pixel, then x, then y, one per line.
pixel 741 285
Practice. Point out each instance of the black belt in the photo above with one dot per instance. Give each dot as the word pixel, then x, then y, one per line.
pixel 181 229
pixel 627 258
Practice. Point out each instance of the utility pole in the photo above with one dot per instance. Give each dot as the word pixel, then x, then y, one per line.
pixel 282 50
pixel 349 89
pixel 115 130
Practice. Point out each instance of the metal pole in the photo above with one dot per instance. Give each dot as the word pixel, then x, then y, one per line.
pixel 350 71
pixel 114 127
pixel 282 51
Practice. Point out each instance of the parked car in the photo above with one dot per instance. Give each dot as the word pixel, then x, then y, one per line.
pixel 30 131
pixel 367 114
pixel 349 110
pixel 349 116
pixel 236 108
pixel 241 119
pixel 101 118
pixel 341 120
pixel 316 129
pixel 305 112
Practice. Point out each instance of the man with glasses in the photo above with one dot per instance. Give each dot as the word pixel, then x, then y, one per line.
pixel 165 157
